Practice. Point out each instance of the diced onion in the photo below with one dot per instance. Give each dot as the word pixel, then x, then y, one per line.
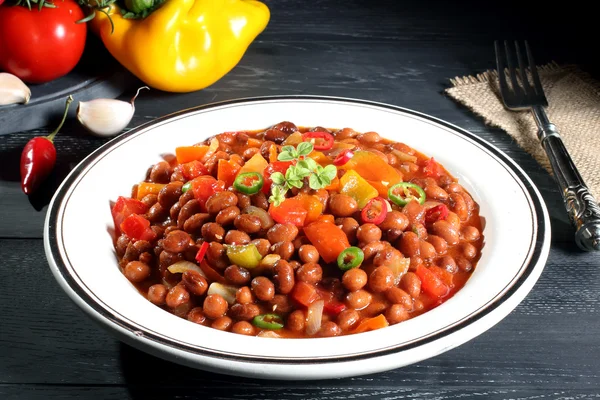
pixel 181 266
pixel 403 156
pixel 226 291
pixel 399 269
pixel 265 219
pixel 269 261
pixel 268 334
pixel 430 204
pixel 314 315
pixel 212 149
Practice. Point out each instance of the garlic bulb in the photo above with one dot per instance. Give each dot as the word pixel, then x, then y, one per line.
pixel 106 117
pixel 13 90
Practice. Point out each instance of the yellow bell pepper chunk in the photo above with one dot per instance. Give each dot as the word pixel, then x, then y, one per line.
pixel 255 164
pixel 354 185
pixel 184 45
pixel 374 170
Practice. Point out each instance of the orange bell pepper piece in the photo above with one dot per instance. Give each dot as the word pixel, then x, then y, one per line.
pixel 334 186
pixel 312 205
pixel 370 324
pixel 255 164
pixel 431 283
pixel 227 171
pixel 290 211
pixel 328 238
pixel 186 154
pixel 145 188
pixel 374 170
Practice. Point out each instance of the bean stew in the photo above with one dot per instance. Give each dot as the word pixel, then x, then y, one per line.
pixel 297 232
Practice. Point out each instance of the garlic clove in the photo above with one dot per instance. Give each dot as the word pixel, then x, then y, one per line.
pixel 106 117
pixel 13 90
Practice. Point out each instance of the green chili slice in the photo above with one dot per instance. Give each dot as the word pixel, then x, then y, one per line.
pixel 350 258
pixel 248 182
pixel 268 321
pixel 402 193
pixel 246 256
pixel 186 187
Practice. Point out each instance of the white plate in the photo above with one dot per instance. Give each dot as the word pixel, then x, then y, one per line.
pixel 81 254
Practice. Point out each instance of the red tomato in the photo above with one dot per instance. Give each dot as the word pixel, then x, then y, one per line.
pixel 124 207
pixel 290 211
pixel 137 227
pixel 205 186
pixel 39 46
pixel 276 166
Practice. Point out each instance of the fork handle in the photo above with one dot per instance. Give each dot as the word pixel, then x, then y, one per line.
pixel 581 205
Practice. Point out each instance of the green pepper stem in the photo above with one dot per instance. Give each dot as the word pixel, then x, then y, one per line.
pixel 50 137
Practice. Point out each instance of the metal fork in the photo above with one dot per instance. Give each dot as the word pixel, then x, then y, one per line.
pixel 522 94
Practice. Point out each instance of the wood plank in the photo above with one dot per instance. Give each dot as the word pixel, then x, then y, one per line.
pixel 549 341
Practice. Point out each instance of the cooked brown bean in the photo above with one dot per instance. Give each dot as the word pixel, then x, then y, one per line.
pixel 284 249
pixel 342 205
pixel 193 225
pixel 174 211
pixel 237 275
pixel 122 243
pixel 194 282
pixel 354 279
pixel 243 328
pixel 160 172
pixel 265 148
pixel 347 319
pixel 250 152
pixel 247 223
pixel 190 208
pixel 216 255
pixel 414 211
pixel 296 321
pixel 244 295
pixel 396 314
pixel 260 200
pixel 157 294
pixel 281 304
pixel 177 241
pixel 284 277
pixel 166 258
pixel 222 323
pixel 388 257
pixel 470 233
pixel 370 250
pixel 177 296
pixel 367 233
pixel 369 138
pixel 349 226
pixel 453 220
pixel 214 306
pixel 398 296
pixel 309 273
pixel 394 220
pixel 411 284
pixel 137 271
pixel 435 192
pixel 145 257
pixel 196 315
pixel 168 230
pixel 263 288
pixel 358 299
pixel 156 213
pixel 381 279
pixel 392 235
pixel 329 329
pixel 454 188
pixel 426 250
pixel 448 263
pixel 286 127
pixel 282 232
pixel 275 135
pixel 468 250
pixel 149 199
pixel 262 245
pixel 463 264
pixel 244 312
pixel 415 261
pixel 458 205
pixel 227 215
pixel 308 253
pixel 439 244
pixel 420 230
pixel 220 201
pixel 409 244
pixel 236 237
pixel 177 175
pixel 213 232
pixel 374 308
pixel 243 200
pixel 446 231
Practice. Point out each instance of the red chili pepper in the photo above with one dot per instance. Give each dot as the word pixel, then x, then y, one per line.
pixel 375 211
pixel 343 157
pixel 436 213
pixel 202 252
pixel 38 157
pixel 320 140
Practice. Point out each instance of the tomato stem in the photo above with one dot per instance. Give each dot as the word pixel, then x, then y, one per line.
pixel 50 137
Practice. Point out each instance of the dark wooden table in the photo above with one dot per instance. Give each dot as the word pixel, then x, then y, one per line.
pixel 403 53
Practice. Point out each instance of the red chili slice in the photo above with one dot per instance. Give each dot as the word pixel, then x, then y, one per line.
pixel 343 157
pixel 320 140
pixel 436 213
pixel 375 211
pixel 202 252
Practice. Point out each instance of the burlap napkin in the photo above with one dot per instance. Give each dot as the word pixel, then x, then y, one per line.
pixel 574 107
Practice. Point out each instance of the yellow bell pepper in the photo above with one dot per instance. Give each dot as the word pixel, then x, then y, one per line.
pixel 374 170
pixel 355 186
pixel 184 45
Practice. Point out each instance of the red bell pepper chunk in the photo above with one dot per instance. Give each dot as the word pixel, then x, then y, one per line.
pixel 290 211
pixel 276 166
pixel 123 208
pixel 431 283
pixel 193 169
pixel 328 238
pixel 138 228
pixel 205 186
pixel 304 293
pixel 431 168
